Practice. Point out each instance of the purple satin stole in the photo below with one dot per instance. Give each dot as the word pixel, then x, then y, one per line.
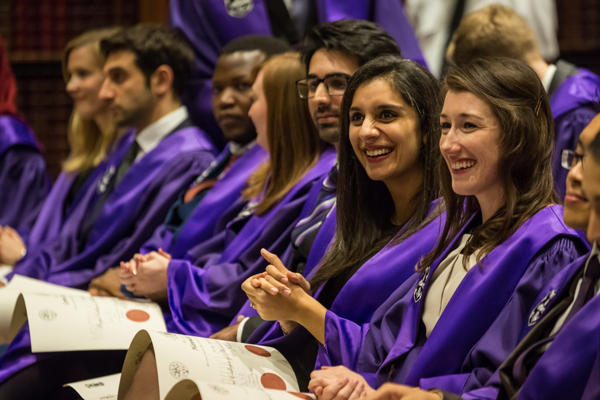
pixel 395 335
pixel 227 190
pixel 132 212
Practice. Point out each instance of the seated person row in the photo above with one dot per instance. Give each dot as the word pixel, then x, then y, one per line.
pixel 277 191
pixel 404 226
pixel 502 236
pixel 24 181
pixel 145 71
pixel 533 246
pixel 91 133
pixel 194 312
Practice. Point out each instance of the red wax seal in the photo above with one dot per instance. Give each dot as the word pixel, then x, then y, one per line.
pixel 259 351
pixel 137 315
pixel 272 381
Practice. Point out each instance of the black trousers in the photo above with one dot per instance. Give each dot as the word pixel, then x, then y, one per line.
pixel 44 379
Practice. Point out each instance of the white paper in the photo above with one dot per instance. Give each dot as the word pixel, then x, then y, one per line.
pixel 4 270
pixel 187 389
pixel 181 357
pixel 103 388
pixel 73 322
pixel 11 319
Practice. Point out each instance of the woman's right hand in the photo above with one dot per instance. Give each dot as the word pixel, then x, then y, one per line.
pixel 12 247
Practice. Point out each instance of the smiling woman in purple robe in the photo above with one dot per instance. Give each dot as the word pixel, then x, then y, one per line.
pixel 91 134
pixel 503 237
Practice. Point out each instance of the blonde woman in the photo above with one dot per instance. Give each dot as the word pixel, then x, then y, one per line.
pixel 91 134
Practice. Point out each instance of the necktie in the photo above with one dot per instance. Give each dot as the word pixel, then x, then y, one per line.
pixel 127 162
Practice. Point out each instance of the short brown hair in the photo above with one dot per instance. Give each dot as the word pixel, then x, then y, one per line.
pixel 518 99
pixel 495 30
pixel 154 45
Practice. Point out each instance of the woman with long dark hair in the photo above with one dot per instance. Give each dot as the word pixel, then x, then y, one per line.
pixel 386 214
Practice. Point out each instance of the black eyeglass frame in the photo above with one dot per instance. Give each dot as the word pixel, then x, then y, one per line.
pixel 303 87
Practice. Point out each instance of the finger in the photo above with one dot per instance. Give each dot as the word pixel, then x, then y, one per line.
pixel 358 392
pixel 268 285
pixel 346 391
pixel 281 288
pixel 273 259
pixel 93 291
pixel 275 273
pixel 164 254
pixel 299 280
pixel 330 391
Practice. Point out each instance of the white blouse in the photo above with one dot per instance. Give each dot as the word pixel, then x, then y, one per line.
pixel 446 278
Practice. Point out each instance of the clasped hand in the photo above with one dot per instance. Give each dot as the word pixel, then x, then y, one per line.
pixel 277 293
pixel 146 274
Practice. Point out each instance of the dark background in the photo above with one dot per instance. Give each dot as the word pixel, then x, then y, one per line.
pixel 36 31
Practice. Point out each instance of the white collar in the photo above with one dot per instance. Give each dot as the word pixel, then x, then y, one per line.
pixel 548 76
pixel 149 137
pixel 239 149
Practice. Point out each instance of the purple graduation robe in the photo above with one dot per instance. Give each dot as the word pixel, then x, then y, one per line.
pixel 53 213
pixel 201 224
pixel 574 104
pixel 479 377
pixel 393 346
pixel 373 283
pixel 204 289
pixel 569 369
pixel 24 181
pixel 209 25
pixel 131 213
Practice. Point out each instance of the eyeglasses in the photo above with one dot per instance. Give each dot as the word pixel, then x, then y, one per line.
pixel 569 158
pixel 335 84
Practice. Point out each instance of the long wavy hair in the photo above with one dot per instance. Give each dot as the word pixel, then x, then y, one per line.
pixel 88 144
pixel 365 207
pixel 518 99
pixel 294 143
